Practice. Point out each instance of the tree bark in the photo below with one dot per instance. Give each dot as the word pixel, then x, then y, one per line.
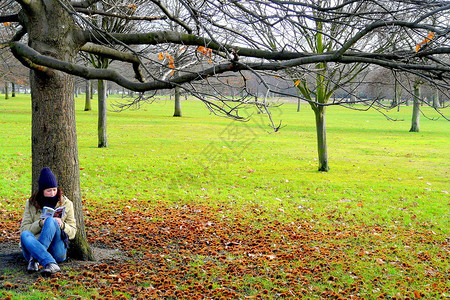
pixel 13 89
pixel 6 90
pixel 92 91
pixel 416 110
pixel 436 98
pixel 87 103
pixel 322 138
pixel 102 114
pixel 177 112
pixel 395 98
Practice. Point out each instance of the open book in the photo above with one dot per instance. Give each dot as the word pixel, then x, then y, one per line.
pixel 50 212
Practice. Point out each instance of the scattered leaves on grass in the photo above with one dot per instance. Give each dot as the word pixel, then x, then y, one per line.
pixel 193 252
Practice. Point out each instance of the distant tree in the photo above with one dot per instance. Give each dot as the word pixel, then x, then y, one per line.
pixel 87 102
pixel 436 102
pixel 107 22
pixel 177 110
pixel 6 90
pixel 102 114
pixel 415 120
pixel 318 83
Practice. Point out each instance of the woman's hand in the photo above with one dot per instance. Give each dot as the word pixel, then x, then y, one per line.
pixel 60 222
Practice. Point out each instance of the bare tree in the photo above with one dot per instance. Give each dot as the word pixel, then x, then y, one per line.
pixel 51 33
pixel 316 33
pixel 107 22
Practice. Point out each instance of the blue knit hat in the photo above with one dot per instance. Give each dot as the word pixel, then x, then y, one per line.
pixel 47 179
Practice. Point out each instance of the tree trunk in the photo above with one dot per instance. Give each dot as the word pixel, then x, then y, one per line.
pixel 87 103
pixel 319 110
pixel 53 134
pixel 298 105
pixel 416 110
pixel 92 92
pixel 6 91
pixel 395 101
pixel 177 112
pixel 352 99
pixel 54 144
pixel 321 138
pixel 436 98
pixel 102 113
pixel 13 89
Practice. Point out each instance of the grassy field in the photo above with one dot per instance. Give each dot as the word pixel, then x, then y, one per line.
pixel 374 226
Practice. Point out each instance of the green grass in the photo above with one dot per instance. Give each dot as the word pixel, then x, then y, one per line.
pixel 380 172
pixel 381 176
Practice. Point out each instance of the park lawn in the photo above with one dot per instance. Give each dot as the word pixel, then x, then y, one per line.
pixel 208 207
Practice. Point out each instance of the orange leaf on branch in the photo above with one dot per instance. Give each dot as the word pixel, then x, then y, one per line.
pixel 205 51
pixel 168 56
pixel 428 39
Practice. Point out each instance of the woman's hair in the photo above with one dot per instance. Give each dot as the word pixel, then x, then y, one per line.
pixel 37 198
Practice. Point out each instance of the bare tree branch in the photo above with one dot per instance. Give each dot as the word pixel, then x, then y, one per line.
pixel 171 16
pixel 117 55
pixel 9 18
pixel 84 3
pixel 120 16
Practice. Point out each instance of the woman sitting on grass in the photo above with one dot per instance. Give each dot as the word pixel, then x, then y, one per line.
pixel 44 240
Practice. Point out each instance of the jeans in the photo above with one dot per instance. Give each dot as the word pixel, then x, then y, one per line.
pixel 48 248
